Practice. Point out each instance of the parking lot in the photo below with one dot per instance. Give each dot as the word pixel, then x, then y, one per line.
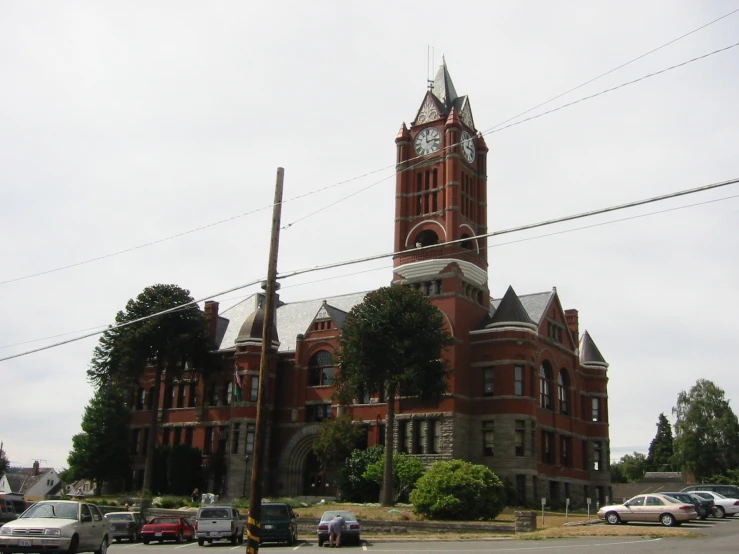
pixel 720 535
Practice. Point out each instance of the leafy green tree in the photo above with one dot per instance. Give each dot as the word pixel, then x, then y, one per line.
pixel 166 342
pixel 394 342
pixel 617 473
pixel 458 490
pixel 632 466
pixel 354 486
pixel 336 441
pixel 406 471
pixel 706 431
pixel 100 451
pixel 184 470
pixel 160 482
pixel 661 449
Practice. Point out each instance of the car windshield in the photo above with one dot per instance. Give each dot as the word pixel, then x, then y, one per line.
pixel 346 514
pixel 119 517
pixel 677 499
pixel 214 513
pixel 165 521
pixel 274 512
pixel 59 510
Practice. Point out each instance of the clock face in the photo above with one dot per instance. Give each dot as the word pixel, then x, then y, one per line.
pixel 467 144
pixel 427 141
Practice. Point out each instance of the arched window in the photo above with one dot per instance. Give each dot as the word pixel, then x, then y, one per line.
pixel 563 391
pixel 545 385
pixel 427 238
pixel 321 369
pixel 467 243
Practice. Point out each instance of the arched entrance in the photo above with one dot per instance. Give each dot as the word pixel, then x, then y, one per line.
pixel 316 481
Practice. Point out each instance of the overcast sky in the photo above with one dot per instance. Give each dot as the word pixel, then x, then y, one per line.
pixel 124 123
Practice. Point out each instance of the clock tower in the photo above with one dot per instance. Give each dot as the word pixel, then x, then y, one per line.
pixel 441 197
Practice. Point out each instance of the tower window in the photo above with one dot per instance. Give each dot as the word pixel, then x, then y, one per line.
pixel 427 238
pixel 467 244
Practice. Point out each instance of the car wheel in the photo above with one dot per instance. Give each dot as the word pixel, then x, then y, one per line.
pixel 234 539
pixel 241 538
pixel 179 538
pixel 612 518
pixel 117 539
pixel 73 545
pixel 320 541
pixel 668 520
pixel 720 512
pixel 146 541
pixel 201 542
pixel 103 547
pixel 135 537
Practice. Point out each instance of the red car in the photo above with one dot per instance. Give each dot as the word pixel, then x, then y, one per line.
pixel 167 528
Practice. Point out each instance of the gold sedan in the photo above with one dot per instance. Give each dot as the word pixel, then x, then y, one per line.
pixel 649 507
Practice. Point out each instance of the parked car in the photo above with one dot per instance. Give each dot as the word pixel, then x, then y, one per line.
pixel 278 523
pixel 125 525
pixel 703 506
pixel 59 525
pixel 722 506
pixel 649 507
pixel 349 534
pixel 11 506
pixel 729 491
pixel 215 523
pixel 167 528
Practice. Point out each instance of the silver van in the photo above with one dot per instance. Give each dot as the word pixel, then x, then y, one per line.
pixel 729 491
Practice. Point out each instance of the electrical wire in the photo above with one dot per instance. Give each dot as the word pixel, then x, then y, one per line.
pixel 373 172
pixel 295 273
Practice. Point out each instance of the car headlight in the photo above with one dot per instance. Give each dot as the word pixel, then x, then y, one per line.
pixel 53 532
pixel 6 531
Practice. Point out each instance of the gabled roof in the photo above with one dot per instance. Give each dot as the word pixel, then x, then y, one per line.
pixel 535 304
pixel 589 353
pixel 292 318
pixel 510 310
pixel 22 480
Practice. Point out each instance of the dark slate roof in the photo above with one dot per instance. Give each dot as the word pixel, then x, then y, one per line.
pixel 23 479
pixel 589 353
pixel 444 88
pixel 338 316
pixel 253 326
pixel 510 310
pixel 293 318
pixel 535 304
pixel 16 480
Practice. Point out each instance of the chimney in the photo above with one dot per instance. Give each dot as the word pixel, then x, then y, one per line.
pixel 211 318
pixel 35 468
pixel 573 322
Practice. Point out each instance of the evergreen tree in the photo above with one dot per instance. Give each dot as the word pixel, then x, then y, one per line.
pixel 166 342
pixel 393 341
pixel 706 431
pixel 100 451
pixel 661 450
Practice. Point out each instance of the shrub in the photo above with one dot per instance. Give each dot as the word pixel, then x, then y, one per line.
pixel 406 471
pixel 458 490
pixel 354 486
pixel 173 502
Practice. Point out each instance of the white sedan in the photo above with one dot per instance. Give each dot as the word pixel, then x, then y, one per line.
pixel 722 506
pixel 58 525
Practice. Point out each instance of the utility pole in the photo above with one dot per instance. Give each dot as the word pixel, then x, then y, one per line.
pixel 253 532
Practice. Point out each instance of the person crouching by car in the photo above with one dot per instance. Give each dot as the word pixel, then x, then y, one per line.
pixel 334 531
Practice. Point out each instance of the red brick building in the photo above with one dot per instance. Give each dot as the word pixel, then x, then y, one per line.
pixel 528 396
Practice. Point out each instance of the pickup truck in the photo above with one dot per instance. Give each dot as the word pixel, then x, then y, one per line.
pixel 214 523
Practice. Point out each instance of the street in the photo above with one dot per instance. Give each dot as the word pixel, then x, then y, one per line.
pixel 720 536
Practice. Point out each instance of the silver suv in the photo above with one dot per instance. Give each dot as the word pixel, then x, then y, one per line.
pixel 729 491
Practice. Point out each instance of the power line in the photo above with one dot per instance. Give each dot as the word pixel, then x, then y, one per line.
pixel 295 273
pixel 373 172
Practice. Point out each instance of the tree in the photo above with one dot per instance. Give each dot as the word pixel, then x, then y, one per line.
pixel 354 486
pixel 617 473
pixel 406 471
pixel 100 451
pixel 393 341
pixel 336 441
pixel 633 466
pixel 184 472
pixel 169 341
pixel 706 431
pixel 459 490
pixel 661 450
pixel 3 463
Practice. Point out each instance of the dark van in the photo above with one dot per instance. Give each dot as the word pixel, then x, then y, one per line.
pixel 278 523
pixel 12 505
pixel 729 491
